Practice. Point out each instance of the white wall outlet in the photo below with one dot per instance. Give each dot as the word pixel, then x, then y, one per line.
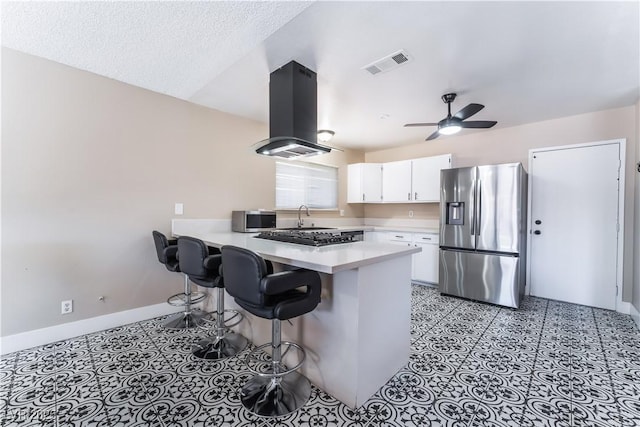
pixel 179 209
pixel 410 214
pixel 341 212
pixel 67 307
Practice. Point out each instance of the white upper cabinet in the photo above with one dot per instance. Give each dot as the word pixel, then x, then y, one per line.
pixel 396 182
pixel 364 183
pixel 405 181
pixel 425 177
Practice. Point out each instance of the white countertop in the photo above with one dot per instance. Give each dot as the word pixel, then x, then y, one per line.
pixel 193 226
pixel 325 259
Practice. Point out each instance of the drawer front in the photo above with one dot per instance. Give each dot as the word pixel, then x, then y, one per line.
pixel 432 238
pixel 396 236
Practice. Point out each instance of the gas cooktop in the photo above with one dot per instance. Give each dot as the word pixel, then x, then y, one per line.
pixel 315 238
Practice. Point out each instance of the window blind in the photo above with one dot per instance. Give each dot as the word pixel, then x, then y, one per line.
pixel 299 183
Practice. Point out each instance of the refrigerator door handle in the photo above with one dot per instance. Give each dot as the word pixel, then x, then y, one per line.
pixel 472 210
pixel 478 210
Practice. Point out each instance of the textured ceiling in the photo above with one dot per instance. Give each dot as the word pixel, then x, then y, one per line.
pixel 169 47
pixel 525 61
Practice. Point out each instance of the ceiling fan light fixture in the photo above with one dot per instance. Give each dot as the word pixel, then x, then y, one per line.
pixel 449 129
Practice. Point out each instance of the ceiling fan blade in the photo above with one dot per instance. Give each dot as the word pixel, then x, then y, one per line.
pixel 479 124
pixel 433 136
pixel 468 111
pixel 409 125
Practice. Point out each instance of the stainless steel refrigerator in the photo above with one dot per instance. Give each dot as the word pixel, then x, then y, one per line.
pixel 483 233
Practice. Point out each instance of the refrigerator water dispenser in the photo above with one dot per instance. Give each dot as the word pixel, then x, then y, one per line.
pixel 455 213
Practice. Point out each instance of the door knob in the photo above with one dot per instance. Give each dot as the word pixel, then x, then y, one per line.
pixel 537 232
pixel 538 222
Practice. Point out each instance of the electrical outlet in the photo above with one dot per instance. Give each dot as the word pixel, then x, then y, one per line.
pixel 178 209
pixel 67 307
pixel 410 214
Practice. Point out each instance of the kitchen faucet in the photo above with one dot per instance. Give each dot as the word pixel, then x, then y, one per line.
pixel 300 220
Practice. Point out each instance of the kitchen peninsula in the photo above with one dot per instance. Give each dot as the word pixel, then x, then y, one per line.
pixel 359 335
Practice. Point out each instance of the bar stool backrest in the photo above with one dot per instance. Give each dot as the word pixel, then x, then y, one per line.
pixel 242 271
pixel 191 254
pixel 161 243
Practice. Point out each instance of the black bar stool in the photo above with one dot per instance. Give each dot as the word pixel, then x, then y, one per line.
pixel 202 264
pixel 167 251
pixel 274 390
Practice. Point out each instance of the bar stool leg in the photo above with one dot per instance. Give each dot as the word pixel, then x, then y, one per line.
pixel 225 343
pixel 188 318
pixel 274 395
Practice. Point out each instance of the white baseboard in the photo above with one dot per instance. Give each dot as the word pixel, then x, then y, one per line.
pixel 635 315
pixel 623 307
pixel 38 337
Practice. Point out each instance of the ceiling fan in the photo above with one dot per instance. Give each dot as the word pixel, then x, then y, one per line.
pixel 452 124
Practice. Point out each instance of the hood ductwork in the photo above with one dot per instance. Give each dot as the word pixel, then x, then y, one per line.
pixel 293 114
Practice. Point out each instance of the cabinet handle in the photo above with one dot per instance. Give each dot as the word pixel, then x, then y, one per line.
pixel 409 196
pixel 399 237
pixel 363 197
pixel 426 238
pixel 415 196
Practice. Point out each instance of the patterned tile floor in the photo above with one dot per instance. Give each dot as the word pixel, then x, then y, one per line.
pixel 471 364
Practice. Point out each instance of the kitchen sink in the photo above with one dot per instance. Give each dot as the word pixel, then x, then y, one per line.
pixel 305 228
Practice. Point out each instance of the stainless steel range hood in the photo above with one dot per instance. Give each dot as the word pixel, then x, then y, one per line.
pixel 293 114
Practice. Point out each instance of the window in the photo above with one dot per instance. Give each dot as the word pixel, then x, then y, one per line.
pixel 299 183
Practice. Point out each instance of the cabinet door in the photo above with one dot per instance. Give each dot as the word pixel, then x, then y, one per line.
pixel 425 264
pixel 396 182
pixel 364 183
pixel 372 182
pixel 425 177
pixel 354 183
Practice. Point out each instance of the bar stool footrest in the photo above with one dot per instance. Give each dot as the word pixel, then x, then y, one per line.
pixel 256 357
pixel 233 320
pixel 180 300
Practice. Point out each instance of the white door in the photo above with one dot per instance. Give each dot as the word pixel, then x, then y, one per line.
pixel 574 217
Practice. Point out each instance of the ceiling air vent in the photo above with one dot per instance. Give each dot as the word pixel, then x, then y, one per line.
pixel 387 63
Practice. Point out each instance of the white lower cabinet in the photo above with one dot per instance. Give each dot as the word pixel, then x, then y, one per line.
pixel 425 264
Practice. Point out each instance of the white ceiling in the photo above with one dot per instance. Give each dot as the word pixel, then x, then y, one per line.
pixel 525 61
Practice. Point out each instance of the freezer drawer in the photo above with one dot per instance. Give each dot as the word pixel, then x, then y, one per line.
pixel 484 277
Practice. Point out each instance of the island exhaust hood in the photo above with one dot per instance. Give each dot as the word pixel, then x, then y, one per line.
pixel 293 114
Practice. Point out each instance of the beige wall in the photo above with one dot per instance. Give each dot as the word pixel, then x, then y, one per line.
pixel 90 166
pixel 512 145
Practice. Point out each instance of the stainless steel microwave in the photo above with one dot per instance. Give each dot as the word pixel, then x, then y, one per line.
pixel 252 221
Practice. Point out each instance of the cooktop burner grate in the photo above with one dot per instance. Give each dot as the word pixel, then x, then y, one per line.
pixel 315 238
